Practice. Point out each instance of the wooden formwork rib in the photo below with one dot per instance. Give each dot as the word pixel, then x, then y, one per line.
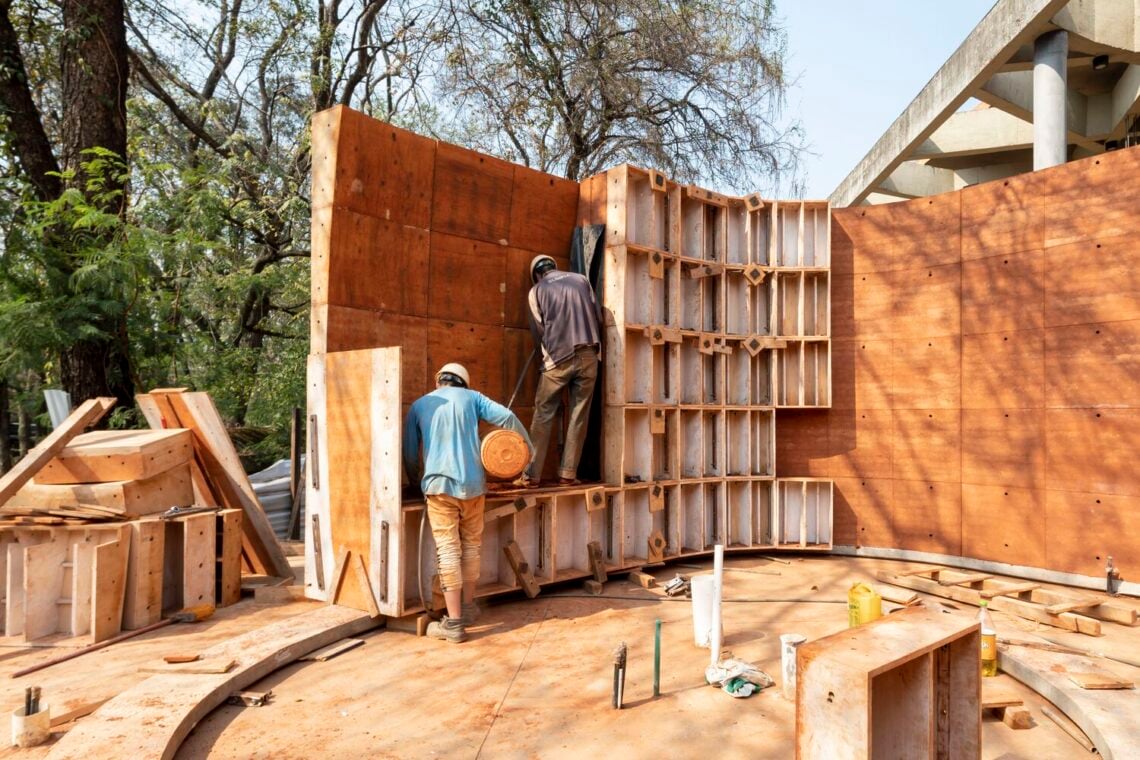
pixel 1025 600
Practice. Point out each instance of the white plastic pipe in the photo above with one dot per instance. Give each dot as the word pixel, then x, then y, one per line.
pixel 716 631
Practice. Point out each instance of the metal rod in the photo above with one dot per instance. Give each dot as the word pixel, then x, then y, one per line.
pixel 657 658
pixel 522 376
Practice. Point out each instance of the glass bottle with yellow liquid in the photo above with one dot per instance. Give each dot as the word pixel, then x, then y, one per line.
pixel 989 642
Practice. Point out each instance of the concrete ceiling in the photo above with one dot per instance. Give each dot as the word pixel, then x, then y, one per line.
pixel 935 147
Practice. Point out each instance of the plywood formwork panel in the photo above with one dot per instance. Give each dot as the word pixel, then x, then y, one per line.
pixel 1003 447
pixel 1003 523
pixel 1092 450
pixel 542 212
pixel 471 194
pixel 391 256
pixel 1092 365
pixel 802 446
pixel 863 512
pixel 1003 217
pixel 1106 529
pixel 1003 292
pixel 926 373
pixel 861 373
pixel 860 444
pixel 1003 370
pixel 371 167
pixel 466 280
pixel 924 232
pixel 926 301
pixel 1092 281
pixel 1090 199
pixel 862 305
pixel 926 445
pixel 348 329
pixel 470 345
pixel 927 516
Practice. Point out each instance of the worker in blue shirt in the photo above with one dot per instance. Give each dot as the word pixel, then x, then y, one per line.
pixel 445 424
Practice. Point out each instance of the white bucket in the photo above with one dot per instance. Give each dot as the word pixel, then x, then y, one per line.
pixel 31 730
pixel 789 643
pixel 703 591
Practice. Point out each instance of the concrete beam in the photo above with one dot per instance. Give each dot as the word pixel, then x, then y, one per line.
pixel 969 133
pixel 1125 101
pixel 1012 92
pixel 917 180
pixel 1009 25
pixel 1106 22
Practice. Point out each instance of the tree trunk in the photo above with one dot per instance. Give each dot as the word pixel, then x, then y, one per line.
pixel 5 430
pixel 24 430
pixel 94 82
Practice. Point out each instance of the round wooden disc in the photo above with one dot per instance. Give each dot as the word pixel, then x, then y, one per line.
pixel 505 454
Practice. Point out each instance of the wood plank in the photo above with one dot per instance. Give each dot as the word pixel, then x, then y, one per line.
pixel 109 585
pixel 82 586
pixel 964 580
pixel 156 715
pixel 228 579
pixel 160 415
pixel 1028 610
pixel 129 498
pixel 43 587
pixel 1100 680
pixel 197 412
pixel 143 599
pixel 87 413
pixel 521 569
pixel 1107 717
pixel 1013 589
pixel 199 546
pixel 1101 608
pixel 105 456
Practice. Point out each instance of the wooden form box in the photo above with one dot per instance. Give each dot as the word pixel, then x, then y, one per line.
pixel 65 580
pixel 906 685
pixel 797 234
pixel 605 527
pixel 762 436
pixel 106 456
pixel 802 513
pixel 803 374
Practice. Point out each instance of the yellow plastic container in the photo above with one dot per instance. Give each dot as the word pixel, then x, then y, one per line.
pixel 863 605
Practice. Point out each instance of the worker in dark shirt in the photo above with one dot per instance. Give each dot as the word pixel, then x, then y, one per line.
pixel 565 320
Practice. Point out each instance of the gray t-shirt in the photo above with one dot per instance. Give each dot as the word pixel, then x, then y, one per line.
pixel 563 315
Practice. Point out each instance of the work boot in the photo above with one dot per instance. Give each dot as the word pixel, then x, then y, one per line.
pixel 471 613
pixel 447 629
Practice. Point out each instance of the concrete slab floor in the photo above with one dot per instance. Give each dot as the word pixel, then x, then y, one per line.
pixel 535 678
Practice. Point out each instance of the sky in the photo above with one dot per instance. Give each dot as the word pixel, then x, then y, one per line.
pixel 859 64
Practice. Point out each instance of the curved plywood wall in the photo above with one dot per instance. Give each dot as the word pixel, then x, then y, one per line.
pixel 986 361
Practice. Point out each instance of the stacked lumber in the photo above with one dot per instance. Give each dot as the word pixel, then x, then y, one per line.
pixel 106 530
pixel 217 476
pixel 1071 611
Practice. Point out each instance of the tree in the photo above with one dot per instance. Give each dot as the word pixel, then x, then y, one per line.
pixel 91 131
pixel 692 87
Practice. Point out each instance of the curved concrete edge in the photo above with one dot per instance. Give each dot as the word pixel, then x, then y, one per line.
pixel 1108 717
pixel 155 716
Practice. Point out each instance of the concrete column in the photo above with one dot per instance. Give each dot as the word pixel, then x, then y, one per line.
pixel 1050 89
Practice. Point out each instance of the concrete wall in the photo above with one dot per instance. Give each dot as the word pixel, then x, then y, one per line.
pixel 986 372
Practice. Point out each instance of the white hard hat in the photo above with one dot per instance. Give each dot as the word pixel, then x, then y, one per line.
pixel 452 368
pixel 538 260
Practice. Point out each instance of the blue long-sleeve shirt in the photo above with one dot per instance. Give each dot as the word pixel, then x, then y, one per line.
pixel 445 423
